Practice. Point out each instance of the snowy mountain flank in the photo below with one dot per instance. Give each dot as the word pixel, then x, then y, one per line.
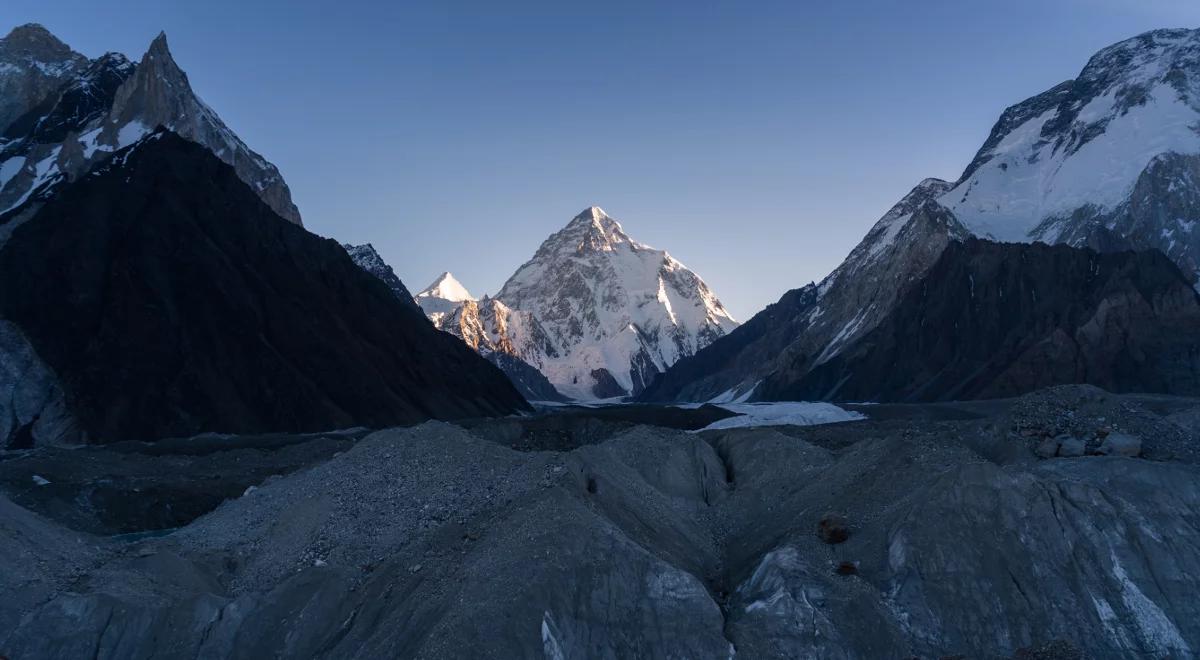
pixel 1108 161
pixel 596 312
pixel 61 113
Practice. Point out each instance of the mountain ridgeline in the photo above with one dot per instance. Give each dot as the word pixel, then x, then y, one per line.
pixel 206 311
pixel 66 113
pixel 1108 162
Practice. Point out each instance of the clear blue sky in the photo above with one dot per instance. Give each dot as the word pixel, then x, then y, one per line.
pixel 756 141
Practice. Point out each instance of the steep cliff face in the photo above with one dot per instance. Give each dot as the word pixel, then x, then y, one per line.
pixel 506 337
pixel 206 311
pixel 995 320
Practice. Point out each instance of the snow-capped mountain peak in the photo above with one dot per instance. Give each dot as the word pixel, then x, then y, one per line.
pixel 446 287
pixel 615 311
pixel 1060 164
pixel 596 312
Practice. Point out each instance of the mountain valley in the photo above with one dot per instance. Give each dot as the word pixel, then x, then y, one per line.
pixel 223 435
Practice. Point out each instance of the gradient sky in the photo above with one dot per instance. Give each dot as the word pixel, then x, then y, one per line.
pixel 757 142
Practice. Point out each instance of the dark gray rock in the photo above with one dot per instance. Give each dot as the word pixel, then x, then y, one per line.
pixel 1048 448
pixel 1071 447
pixel 530 382
pixel 1120 444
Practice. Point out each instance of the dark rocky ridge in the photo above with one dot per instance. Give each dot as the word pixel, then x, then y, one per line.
pixel 170 300
pixel 993 320
pixel 366 258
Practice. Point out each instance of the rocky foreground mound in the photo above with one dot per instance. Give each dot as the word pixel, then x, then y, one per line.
pixel 877 539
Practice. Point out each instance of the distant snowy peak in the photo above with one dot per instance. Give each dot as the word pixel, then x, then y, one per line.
pixel 442 298
pixel 616 311
pixel 596 312
pixel 446 287
pixel 61 113
pixel 1062 164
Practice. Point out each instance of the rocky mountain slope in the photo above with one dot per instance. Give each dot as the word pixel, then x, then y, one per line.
pixel 61 114
pixel 601 314
pixel 815 322
pixel 205 311
pixel 992 320
pixel 1103 161
pixel 871 539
